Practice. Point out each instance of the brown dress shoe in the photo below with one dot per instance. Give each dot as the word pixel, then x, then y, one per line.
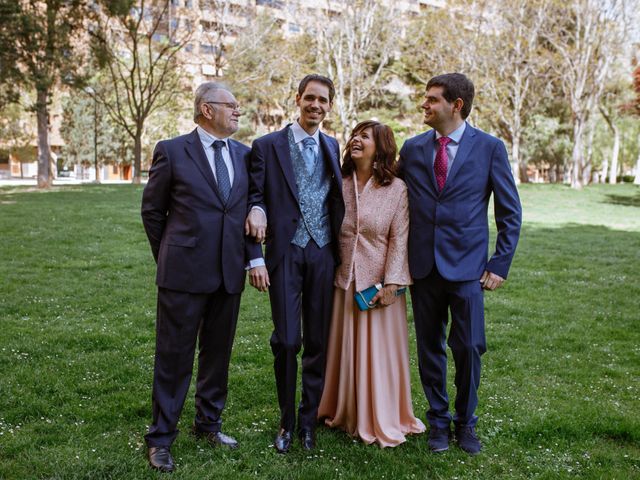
pixel 283 441
pixel 215 438
pixel 160 459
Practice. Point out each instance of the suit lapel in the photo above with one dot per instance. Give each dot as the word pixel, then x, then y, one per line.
pixel 465 147
pixel 427 155
pixel 281 146
pixel 196 152
pixel 330 154
pixel 239 168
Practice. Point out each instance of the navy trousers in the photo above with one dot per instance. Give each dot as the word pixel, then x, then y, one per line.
pixel 301 295
pixel 432 297
pixel 183 318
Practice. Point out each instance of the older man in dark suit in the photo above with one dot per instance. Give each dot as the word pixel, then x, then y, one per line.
pixel 193 209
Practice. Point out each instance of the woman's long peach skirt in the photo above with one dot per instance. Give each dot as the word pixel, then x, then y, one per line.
pixel 367 392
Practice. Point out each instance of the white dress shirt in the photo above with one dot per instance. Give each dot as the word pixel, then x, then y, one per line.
pixel 207 143
pixel 299 135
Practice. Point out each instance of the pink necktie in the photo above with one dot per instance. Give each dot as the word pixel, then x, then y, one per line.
pixel 440 165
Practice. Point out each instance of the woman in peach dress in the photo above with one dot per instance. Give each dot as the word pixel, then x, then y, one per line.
pixel 367 390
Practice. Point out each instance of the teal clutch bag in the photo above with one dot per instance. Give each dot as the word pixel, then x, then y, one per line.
pixel 363 297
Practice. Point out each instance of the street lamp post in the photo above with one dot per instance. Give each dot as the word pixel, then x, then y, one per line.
pixel 92 92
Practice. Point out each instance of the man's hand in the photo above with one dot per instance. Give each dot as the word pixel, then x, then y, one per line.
pixel 490 281
pixel 386 295
pixel 256 225
pixel 259 278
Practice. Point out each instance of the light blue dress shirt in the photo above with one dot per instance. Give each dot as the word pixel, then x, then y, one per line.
pixel 452 147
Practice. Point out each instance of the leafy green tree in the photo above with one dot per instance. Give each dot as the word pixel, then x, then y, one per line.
pixel 111 145
pixel 616 96
pixel 356 48
pixel 16 136
pixel 137 50
pixel 41 49
pixel 513 88
pixel 452 39
pixel 584 37
pixel 635 108
pixel 264 75
pixel 547 145
pixel 83 116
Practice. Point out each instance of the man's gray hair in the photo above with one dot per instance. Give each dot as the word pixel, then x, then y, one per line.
pixel 202 92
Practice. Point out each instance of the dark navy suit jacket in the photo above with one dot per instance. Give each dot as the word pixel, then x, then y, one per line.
pixel 274 188
pixel 450 229
pixel 197 241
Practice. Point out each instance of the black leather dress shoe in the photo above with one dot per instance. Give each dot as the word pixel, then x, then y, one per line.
pixel 283 441
pixel 308 439
pixel 215 438
pixel 160 458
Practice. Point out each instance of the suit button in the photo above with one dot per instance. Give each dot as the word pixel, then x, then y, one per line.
pixel 295 220
pixel 226 211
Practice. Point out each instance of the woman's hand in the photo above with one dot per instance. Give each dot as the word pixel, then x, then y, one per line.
pixel 386 296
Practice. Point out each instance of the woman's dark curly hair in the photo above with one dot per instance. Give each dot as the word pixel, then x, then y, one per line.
pixel 384 162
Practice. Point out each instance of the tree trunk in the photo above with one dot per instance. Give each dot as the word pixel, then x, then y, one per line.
pixel 636 180
pixel 576 156
pixel 515 160
pixel 588 157
pixel 604 170
pixel 95 139
pixel 615 153
pixel 42 114
pixel 518 164
pixel 137 157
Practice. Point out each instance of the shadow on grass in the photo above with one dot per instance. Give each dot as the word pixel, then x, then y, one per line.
pixel 584 424
pixel 626 200
pixel 594 249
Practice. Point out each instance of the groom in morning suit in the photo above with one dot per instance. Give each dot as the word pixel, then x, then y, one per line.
pixel 296 181
pixel 193 210
pixel 450 172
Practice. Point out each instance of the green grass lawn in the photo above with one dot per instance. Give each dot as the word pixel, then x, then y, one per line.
pixel 560 388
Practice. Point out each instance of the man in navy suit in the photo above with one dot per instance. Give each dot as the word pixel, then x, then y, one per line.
pixel 296 184
pixel 193 210
pixel 450 172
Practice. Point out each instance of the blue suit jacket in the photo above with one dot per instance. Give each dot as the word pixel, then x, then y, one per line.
pixel 197 241
pixel 450 229
pixel 273 188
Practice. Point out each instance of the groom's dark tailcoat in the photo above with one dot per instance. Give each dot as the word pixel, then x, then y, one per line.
pixel 448 247
pixel 198 243
pixel 301 279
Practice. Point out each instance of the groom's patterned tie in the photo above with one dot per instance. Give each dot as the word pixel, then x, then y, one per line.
pixel 440 165
pixel 309 154
pixel 222 174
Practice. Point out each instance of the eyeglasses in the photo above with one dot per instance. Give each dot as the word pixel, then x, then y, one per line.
pixel 229 105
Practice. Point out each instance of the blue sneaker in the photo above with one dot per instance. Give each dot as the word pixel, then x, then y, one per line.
pixel 439 439
pixel 467 440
